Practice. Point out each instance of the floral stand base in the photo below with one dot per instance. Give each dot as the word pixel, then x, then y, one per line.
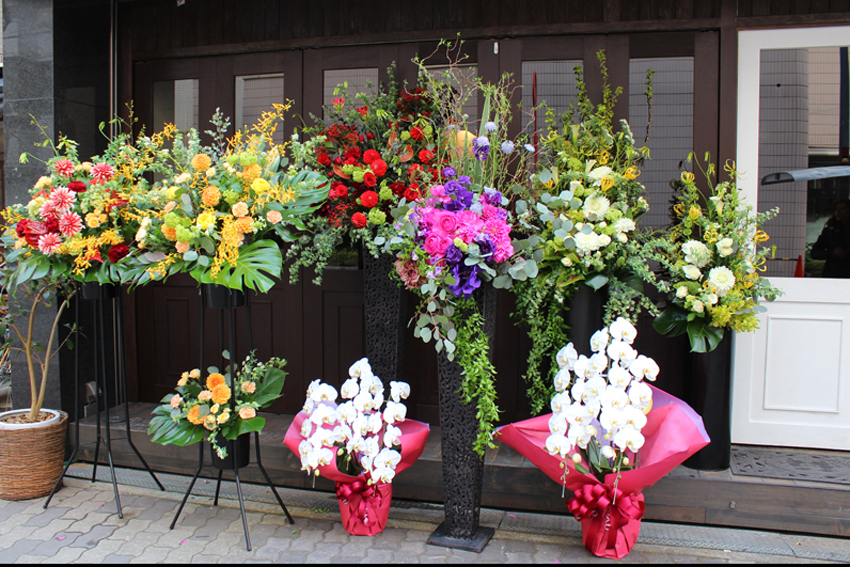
pixel 610 520
pixel 364 509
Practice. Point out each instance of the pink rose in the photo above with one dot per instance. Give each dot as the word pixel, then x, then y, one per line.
pixel 447 223
pixel 436 244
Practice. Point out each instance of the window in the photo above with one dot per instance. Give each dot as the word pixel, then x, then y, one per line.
pixel 255 94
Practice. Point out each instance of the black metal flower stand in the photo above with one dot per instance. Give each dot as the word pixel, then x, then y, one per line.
pixel 238 450
pixel 94 291
pixel 384 317
pixel 463 468
pixel 585 314
pixel 708 392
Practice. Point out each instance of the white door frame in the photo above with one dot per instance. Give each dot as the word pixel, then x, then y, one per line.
pixel 813 319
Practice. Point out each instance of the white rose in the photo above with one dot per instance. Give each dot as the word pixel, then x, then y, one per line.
pixel 691 272
pixel 681 292
pixel 698 306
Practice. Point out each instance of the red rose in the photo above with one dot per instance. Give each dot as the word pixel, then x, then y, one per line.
pixel 358 220
pixel 369 179
pixel 416 133
pixel 425 156
pixel 352 153
pixel 338 160
pixel 77 186
pixel 370 136
pixel 341 191
pixel 117 252
pixel 412 193
pixel 324 159
pixel 370 155
pixel 369 199
pixel 350 161
pixel 397 188
pixel 378 167
pixel 363 110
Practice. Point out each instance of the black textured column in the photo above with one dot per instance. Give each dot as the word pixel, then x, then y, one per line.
pixel 384 317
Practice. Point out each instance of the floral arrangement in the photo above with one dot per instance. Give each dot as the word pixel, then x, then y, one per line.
pixel 609 436
pixel 378 151
pixel 212 213
pixel 598 411
pixel 218 406
pixel 457 239
pixel 712 255
pixel 79 222
pixel 361 434
pixel 586 201
pixel 361 444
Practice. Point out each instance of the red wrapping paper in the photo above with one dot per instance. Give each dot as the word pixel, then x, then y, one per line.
pixel 363 502
pixel 611 524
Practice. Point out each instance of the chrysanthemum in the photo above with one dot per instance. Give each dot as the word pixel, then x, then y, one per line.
pixel 62 199
pixel 194 415
pixel 722 279
pixel 596 206
pixel 64 167
pixel 244 225
pixel 70 224
pixel 49 243
pixel 214 380
pixel 101 173
pixel 586 243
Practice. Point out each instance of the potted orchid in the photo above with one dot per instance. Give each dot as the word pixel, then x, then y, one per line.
pixel 609 436
pixel 360 443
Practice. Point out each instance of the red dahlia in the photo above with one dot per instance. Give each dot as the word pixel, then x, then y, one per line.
pixel 369 199
pixel 358 220
pixel 117 252
pixel 378 167
pixel 370 155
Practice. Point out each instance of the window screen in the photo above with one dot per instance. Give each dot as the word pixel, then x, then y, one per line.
pixel 255 94
pixel 462 79
pixel 556 88
pixel 358 81
pixel 671 132
pixel 175 102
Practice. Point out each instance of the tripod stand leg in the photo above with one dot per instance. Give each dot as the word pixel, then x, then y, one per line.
pixel 191 485
pixel 218 487
pixel 268 479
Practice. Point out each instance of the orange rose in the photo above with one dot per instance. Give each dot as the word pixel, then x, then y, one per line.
pixel 205 396
pixel 249 387
pixel 169 233
pixel 247 413
pixel 221 394
pixel 194 415
pixel 214 380
pixel 182 247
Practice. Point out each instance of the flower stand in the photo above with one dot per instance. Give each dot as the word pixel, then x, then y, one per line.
pixel 100 294
pixel 383 302
pixel 708 391
pixel 610 512
pixel 238 451
pixel 463 468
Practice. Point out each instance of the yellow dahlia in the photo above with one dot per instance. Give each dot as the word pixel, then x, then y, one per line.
pixel 194 416
pixel 214 380
pixel 211 196
pixel 201 162
pixel 221 394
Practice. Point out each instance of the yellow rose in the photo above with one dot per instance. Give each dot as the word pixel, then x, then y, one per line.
pixel 171 192
pixel 206 220
pixel 209 421
pixel 215 408
pixel 194 374
pixel 43 181
pixel 260 186
pixel 94 220
pixel 87 165
pixel 223 416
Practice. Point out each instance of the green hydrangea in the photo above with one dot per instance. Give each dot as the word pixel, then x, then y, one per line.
pixel 405 136
pixel 230 197
pixel 385 194
pixel 613 215
pixel 247 158
pixel 377 216
pixel 172 220
pixel 357 175
pixel 184 234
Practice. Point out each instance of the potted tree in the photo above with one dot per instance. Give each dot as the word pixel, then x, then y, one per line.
pixel 32 441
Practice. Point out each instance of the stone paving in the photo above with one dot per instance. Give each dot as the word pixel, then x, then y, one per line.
pixel 81 525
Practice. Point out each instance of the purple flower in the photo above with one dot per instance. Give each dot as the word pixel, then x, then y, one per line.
pixel 449 172
pixel 507 147
pixel 529 148
pixel 466 278
pixel 486 245
pixel 481 148
pixel 490 126
pixel 492 196
pixel 464 180
pixel 453 254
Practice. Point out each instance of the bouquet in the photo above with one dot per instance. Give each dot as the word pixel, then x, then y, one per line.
pixel 213 212
pixel 79 221
pixel 361 444
pixel 586 201
pixel 219 405
pixel 379 149
pixel 609 436
pixel 458 239
pixel 712 255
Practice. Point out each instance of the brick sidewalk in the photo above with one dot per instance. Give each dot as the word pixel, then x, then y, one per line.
pixel 81 526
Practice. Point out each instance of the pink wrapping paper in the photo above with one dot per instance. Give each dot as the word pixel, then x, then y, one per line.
pixel 364 509
pixel 673 433
pixel 412 439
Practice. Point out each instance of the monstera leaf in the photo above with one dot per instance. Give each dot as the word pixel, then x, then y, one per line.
pixel 258 262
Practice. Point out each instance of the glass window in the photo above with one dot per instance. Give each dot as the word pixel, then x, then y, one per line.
pixel 461 79
pixel 175 102
pixel 801 110
pixel 671 132
pixel 255 94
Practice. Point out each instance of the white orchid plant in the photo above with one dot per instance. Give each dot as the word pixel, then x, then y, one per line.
pixel 601 402
pixel 363 438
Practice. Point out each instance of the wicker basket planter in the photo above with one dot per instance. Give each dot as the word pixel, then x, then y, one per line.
pixel 31 460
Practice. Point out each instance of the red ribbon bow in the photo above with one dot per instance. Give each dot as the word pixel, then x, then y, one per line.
pixel 370 497
pixel 593 499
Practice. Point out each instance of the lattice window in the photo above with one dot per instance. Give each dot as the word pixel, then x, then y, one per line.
pixel 255 94
pixel 461 79
pixel 556 88
pixel 347 83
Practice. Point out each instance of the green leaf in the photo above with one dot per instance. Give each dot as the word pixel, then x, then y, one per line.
pixel 597 281
pixel 425 335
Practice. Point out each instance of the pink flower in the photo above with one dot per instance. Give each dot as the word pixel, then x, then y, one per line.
pixel 101 173
pixel 496 228
pixel 64 167
pixel 436 244
pixel 274 217
pixel 49 243
pixel 62 200
pixel 469 226
pixel 70 224
pixel 447 223
pixel 489 211
pixel 47 210
pixel 239 210
pixel 438 191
